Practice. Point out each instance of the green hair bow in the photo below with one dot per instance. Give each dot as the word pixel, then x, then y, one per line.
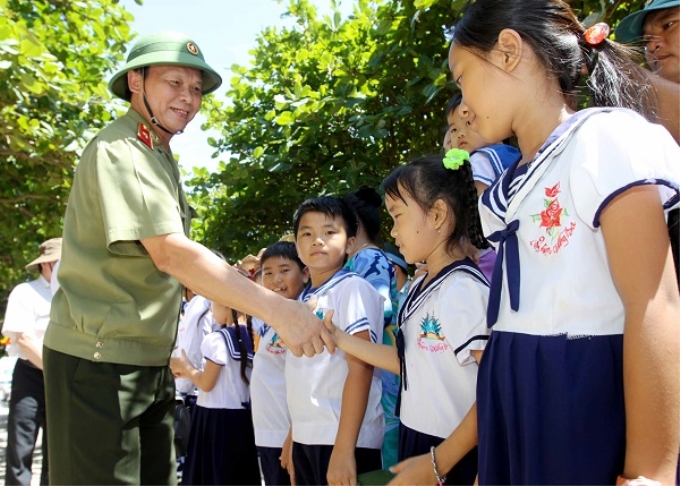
pixel 455 158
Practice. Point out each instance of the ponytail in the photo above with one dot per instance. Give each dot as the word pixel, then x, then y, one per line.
pixel 470 201
pixel 615 78
pixel 242 348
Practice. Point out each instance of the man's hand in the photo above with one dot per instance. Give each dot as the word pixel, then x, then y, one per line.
pixel 301 331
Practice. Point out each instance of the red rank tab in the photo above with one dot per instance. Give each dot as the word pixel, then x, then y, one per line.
pixel 144 135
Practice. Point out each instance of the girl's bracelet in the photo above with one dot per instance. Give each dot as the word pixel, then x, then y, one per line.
pixel 440 479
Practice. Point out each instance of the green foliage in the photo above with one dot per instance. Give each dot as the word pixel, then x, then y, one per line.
pixel 54 58
pixel 325 107
pixel 328 106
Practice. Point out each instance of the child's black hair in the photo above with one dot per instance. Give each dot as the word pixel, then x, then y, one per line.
pixel 556 37
pixel 366 202
pixel 332 207
pixel 282 249
pixel 243 351
pixel 453 103
pixel 426 180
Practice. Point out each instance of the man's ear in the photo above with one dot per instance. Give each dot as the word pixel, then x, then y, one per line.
pixel 135 81
pixel 305 275
pixel 509 48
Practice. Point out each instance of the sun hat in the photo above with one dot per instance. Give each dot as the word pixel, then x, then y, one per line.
pixel 630 28
pixel 50 251
pixel 168 49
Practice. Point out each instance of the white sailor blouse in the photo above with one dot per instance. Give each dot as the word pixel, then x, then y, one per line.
pixel 552 275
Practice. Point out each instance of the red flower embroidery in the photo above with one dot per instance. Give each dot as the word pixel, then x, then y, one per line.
pixel 552 191
pixel 550 217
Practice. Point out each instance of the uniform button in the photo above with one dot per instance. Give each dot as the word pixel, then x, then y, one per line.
pixel 99 344
pixel 97 355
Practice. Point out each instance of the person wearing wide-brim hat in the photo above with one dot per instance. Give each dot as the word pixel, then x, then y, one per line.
pixel 26 319
pixel 126 256
pixel 657 26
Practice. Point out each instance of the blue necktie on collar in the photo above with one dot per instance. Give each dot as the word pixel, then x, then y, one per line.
pixel 507 240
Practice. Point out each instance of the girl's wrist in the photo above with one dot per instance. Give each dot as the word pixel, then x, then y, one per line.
pixel 440 479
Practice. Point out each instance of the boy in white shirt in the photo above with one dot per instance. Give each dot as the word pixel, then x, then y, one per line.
pixel 334 399
pixel 285 274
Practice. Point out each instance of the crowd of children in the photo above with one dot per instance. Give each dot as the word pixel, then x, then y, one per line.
pixel 574 309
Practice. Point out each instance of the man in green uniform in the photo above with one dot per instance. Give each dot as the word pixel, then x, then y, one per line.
pixel 126 254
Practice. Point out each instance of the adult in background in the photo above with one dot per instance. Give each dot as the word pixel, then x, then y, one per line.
pixel 658 27
pixel 26 319
pixel 126 256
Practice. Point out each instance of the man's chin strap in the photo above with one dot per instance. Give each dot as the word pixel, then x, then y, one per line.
pixel 154 120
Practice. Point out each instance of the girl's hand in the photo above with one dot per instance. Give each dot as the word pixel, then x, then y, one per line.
pixel 336 333
pixel 342 468
pixel 287 457
pixel 414 470
pixel 180 366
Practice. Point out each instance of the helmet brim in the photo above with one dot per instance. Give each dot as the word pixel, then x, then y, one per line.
pixel 211 80
pixel 630 29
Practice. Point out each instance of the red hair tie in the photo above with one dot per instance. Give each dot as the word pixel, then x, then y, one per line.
pixel 596 34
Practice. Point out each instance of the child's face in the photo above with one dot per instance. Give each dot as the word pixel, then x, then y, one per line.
pixel 461 135
pixel 412 230
pixel 322 242
pixel 448 145
pixel 283 276
pixel 486 93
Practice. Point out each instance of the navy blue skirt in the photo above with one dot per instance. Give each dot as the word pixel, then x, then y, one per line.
pixel 551 410
pixel 221 448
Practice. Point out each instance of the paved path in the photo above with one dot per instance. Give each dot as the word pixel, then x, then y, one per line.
pixel 37 456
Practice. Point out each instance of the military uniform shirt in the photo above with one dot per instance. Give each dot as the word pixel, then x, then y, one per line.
pixel 114 305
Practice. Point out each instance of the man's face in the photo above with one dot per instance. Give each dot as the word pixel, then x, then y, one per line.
pixel 173 92
pixel 662 43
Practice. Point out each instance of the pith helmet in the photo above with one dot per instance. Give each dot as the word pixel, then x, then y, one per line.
pixel 630 28
pixel 164 48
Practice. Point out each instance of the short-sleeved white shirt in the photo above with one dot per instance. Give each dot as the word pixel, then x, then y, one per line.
pixel 198 322
pixel 271 419
pixel 230 390
pixel 315 385
pixel 595 156
pixel 489 162
pixel 28 312
pixel 441 324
